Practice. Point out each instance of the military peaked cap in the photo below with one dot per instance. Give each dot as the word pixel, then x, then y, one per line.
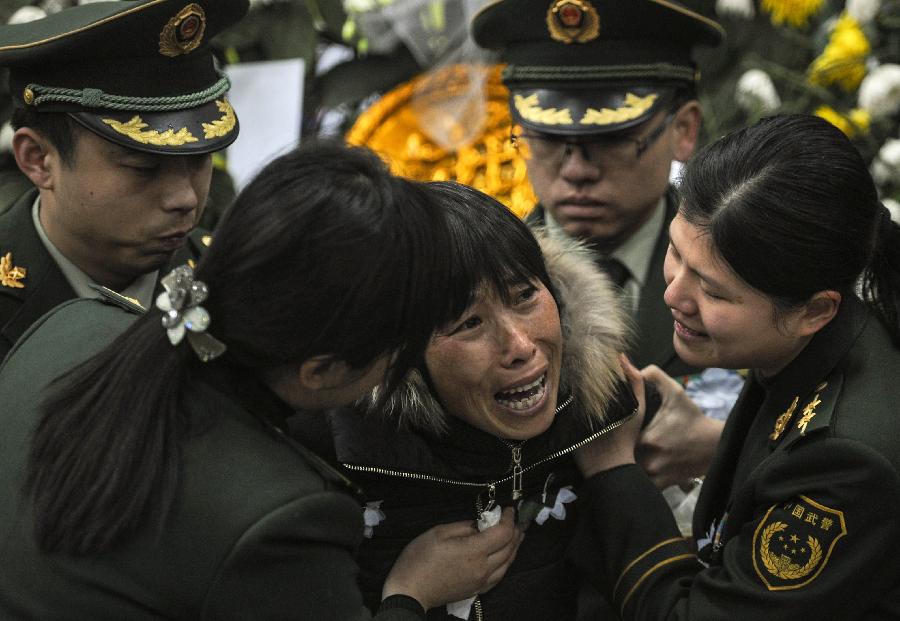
pixel 592 66
pixel 139 73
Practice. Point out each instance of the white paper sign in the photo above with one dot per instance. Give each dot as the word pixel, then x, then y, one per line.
pixel 268 99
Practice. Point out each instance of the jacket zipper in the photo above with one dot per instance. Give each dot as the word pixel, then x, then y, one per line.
pixel 516 477
pixel 428 477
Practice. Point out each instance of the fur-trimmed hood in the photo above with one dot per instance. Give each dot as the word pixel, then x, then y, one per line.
pixel 595 329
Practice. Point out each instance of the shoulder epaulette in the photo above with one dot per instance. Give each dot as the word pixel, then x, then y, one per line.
pixel 109 296
pixel 814 412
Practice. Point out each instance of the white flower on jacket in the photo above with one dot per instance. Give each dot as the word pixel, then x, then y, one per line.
pixel 372 517
pixel 886 165
pixel 863 11
pixel 879 92
pixel 755 92
pixel 735 8
pixel 565 495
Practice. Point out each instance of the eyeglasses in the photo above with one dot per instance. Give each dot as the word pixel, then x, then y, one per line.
pixel 614 149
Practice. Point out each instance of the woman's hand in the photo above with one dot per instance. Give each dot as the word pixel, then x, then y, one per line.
pixel 615 448
pixel 451 562
pixel 680 441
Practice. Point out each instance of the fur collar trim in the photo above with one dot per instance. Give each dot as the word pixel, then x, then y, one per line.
pixel 595 329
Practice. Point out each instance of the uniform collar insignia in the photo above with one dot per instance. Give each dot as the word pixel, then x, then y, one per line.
pixel 809 411
pixel 783 420
pixel 11 275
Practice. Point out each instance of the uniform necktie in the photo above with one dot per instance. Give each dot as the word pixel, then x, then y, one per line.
pixel 615 270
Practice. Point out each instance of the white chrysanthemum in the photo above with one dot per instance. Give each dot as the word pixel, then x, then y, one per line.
pixel 863 11
pixel 27 14
pixel 360 6
pixel 894 207
pixel 755 92
pixel 886 166
pixel 735 8
pixel 879 92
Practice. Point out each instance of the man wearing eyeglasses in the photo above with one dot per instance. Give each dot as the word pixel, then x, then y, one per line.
pixel 603 101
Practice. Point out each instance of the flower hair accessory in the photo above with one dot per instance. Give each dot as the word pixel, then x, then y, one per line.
pixel 183 315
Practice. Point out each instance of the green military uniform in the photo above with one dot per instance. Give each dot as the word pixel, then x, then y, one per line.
pixel 796 519
pixel 261 528
pixel 42 284
pixel 582 70
pixel 140 75
pixel 652 342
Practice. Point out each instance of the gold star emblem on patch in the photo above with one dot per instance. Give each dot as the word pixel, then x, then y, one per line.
pixel 573 21
pixel 808 413
pixel 11 275
pixel 794 541
pixel 783 420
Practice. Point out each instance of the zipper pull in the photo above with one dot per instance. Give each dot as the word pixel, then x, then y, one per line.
pixel 492 493
pixel 517 472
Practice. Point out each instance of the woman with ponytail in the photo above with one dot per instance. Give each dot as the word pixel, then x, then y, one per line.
pixel 782 260
pixel 144 464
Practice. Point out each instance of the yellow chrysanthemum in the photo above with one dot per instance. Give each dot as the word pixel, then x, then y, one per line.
pixel 861 119
pixel 843 61
pixel 792 12
pixel 837 119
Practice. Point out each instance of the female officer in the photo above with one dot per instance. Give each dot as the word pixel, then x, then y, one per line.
pixel 524 371
pixel 783 261
pixel 157 482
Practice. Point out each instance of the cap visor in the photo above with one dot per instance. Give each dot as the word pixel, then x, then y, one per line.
pixel 204 129
pixel 581 111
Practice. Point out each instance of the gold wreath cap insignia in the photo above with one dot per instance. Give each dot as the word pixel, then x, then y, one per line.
pixel 223 125
pixel 573 21
pixel 184 32
pixel 135 128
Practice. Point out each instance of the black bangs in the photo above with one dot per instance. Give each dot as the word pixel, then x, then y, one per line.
pixel 492 248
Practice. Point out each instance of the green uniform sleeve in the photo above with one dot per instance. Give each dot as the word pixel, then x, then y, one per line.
pixel 814 536
pixel 297 562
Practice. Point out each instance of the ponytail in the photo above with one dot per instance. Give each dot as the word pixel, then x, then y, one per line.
pixel 105 455
pixel 881 280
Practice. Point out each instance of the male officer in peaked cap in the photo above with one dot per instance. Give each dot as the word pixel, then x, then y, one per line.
pixel 603 98
pixel 602 94
pixel 118 108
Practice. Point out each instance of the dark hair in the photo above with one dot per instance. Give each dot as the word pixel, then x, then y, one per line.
pixel 791 207
pixel 491 246
pixel 324 252
pixel 57 127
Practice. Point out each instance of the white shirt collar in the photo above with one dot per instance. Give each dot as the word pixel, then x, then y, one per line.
pixel 635 253
pixel 141 289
